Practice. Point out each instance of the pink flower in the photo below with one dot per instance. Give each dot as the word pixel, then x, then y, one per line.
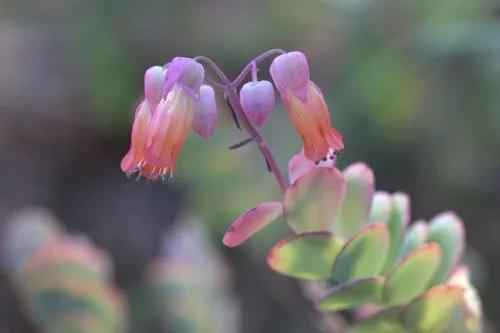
pixel 173 100
pixel 306 106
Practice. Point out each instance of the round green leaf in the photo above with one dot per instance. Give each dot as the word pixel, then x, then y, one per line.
pixel 399 219
pixel 381 207
pixel 305 256
pixel 360 183
pixel 363 255
pixel 447 230
pixel 412 275
pixel 352 294
pixel 415 236
pixel 387 321
pixel 313 202
pixel 432 311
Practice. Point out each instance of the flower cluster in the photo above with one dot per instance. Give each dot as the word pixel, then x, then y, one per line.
pixel 177 100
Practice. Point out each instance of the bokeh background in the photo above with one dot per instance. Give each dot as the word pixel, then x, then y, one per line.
pixel 414 86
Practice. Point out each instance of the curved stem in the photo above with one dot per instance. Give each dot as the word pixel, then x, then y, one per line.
pixel 255 61
pixel 233 98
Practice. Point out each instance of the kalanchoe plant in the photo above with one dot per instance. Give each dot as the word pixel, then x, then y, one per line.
pixel 359 240
pixel 64 282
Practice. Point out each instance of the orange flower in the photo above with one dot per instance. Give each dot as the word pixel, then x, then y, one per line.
pixel 306 105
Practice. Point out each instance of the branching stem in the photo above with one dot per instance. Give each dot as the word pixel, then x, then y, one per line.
pixel 234 100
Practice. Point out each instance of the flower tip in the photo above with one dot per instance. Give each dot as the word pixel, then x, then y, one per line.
pixel 257 100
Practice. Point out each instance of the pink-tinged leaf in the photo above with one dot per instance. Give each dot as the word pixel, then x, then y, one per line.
pixel 386 321
pixel 313 202
pixel 206 117
pixel 447 230
pixel 360 185
pixel 305 256
pixel 251 222
pixel 257 100
pixel 299 165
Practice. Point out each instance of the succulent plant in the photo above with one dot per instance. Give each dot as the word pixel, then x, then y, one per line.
pixel 371 255
pixel 63 281
pixel 345 233
pixel 189 281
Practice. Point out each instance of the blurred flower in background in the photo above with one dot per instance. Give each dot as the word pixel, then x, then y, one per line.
pixel 413 86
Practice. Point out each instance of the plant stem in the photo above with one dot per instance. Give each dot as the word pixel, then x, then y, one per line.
pixel 234 100
pixel 255 61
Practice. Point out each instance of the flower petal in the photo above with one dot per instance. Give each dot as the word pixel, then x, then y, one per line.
pixel 206 117
pixel 154 80
pixel 135 155
pixel 251 222
pixel 291 71
pixel 313 202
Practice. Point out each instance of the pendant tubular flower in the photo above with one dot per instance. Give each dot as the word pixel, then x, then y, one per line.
pixel 164 119
pixel 257 100
pixel 169 129
pixel 206 117
pixel 306 106
pixel 134 159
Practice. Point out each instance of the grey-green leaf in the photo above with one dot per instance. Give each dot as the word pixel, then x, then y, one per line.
pixel 363 255
pixel 412 275
pixel 352 294
pixel 360 184
pixel 447 230
pixel 399 219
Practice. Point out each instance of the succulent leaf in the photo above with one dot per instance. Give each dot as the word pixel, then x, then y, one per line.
pixel 307 256
pixel 415 236
pixel 432 311
pixel 447 230
pixel 381 208
pixel 412 275
pixel 352 294
pixel 360 184
pixel 387 321
pixel 399 219
pixel 313 202
pixel 363 255
pixel 251 222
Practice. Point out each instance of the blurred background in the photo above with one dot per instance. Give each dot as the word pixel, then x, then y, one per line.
pixel 414 86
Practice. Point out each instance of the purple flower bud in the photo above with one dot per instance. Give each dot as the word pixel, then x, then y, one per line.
pixel 291 71
pixel 186 72
pixel 257 100
pixel 154 80
pixel 205 113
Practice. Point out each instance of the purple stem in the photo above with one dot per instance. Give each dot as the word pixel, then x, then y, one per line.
pixel 234 100
pixel 258 59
